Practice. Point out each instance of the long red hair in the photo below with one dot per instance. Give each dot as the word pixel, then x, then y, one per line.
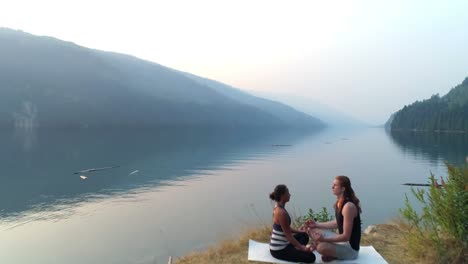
pixel 348 193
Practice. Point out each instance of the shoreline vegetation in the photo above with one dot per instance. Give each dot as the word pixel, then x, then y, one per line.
pixel 438 233
pixel 429 130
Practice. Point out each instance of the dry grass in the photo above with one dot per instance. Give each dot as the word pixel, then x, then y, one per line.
pixel 389 241
pixel 232 251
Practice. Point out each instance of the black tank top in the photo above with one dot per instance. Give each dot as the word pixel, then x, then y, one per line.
pixel 355 238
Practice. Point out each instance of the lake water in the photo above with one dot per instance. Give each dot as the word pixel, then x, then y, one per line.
pixel 193 188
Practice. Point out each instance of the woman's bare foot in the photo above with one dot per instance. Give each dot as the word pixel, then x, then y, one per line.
pixel 327 258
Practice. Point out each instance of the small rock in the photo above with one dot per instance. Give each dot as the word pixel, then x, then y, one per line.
pixel 370 229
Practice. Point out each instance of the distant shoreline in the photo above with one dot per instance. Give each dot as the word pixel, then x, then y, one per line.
pixel 433 131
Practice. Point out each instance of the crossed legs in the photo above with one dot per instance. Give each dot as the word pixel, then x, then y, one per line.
pixel 327 250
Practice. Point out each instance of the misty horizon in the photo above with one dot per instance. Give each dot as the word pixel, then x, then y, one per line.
pixel 364 59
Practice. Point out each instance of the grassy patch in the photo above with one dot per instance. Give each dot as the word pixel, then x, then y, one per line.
pixel 390 241
pixel 231 251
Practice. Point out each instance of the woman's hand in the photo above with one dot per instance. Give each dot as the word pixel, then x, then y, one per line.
pixel 302 228
pixel 311 223
pixel 313 246
pixel 317 236
pixel 304 248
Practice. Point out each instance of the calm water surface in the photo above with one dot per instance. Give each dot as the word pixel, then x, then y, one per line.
pixel 193 187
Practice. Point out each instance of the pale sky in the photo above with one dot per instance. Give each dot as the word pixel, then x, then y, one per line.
pixel 365 58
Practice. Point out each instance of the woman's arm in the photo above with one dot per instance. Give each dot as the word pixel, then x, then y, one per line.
pixel 287 230
pixel 328 225
pixel 325 225
pixel 349 212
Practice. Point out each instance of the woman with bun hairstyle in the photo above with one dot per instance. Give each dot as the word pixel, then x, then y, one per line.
pixel 287 243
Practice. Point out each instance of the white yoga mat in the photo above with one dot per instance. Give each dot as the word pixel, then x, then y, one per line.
pixel 261 252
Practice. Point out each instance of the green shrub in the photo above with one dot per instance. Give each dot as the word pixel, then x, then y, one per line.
pixel 321 216
pixel 439 232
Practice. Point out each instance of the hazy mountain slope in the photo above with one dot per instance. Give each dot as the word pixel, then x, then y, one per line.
pixel 48 82
pixel 284 112
pixel 309 106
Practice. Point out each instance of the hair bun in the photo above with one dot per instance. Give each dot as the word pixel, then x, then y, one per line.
pixel 272 196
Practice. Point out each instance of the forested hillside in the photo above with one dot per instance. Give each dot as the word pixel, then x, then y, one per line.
pixel 446 113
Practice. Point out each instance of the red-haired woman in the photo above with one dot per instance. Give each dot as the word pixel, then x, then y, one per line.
pixel 344 245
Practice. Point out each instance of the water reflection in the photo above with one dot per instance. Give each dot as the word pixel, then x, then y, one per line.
pixel 37 173
pixel 25 136
pixel 433 147
pixel 219 181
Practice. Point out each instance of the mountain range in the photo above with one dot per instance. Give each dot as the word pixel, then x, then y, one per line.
pixel 48 82
pixel 332 116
